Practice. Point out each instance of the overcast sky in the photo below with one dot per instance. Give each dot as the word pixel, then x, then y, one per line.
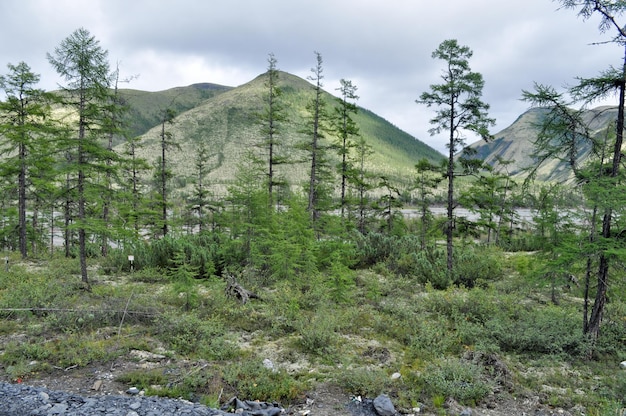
pixel 383 46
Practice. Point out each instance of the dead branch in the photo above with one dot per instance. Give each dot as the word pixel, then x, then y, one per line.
pixel 234 289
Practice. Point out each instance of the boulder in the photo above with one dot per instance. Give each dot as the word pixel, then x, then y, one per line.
pixel 384 406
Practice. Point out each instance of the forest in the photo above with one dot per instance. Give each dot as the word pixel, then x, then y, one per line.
pixel 106 253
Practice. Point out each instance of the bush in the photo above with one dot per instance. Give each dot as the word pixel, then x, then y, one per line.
pixel 549 330
pixel 188 335
pixel 477 264
pixel 457 379
pixel 366 382
pixel 200 251
pixel 317 333
pixel 252 381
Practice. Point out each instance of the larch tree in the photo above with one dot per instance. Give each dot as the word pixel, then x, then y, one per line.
pixel 316 131
pixel 82 63
pixel 346 129
pixel 609 83
pixel 459 109
pixel 25 124
pixel 428 177
pixel 163 172
pixel 362 182
pixel 270 119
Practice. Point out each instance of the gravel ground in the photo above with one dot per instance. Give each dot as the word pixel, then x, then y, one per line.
pixel 22 400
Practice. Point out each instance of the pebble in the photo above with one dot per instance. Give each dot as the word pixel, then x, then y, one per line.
pixel 21 399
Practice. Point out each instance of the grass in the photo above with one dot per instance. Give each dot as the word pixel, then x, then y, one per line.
pixel 502 338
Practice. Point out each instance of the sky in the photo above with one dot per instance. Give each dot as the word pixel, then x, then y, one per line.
pixel 384 47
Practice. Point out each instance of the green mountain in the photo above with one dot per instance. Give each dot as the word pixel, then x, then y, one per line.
pixel 146 108
pixel 225 120
pixel 515 143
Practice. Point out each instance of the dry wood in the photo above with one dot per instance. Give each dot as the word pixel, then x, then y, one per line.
pixel 235 290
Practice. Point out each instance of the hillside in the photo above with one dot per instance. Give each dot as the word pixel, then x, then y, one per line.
pixel 147 107
pixel 227 124
pixel 515 143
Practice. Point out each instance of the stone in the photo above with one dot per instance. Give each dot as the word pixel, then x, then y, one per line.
pixel 97 385
pixel 58 409
pixel 267 363
pixel 146 356
pixel 623 365
pixel 135 405
pixel 466 412
pixel 384 406
pixel 396 376
pixel 133 390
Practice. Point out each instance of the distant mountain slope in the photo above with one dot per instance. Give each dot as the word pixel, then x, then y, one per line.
pixel 227 124
pixel 515 143
pixel 146 108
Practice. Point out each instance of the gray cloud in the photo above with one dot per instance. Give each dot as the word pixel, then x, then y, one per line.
pixel 383 47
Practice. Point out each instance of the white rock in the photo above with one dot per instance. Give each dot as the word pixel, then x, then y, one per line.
pixel 396 376
pixel 267 363
pixel 623 365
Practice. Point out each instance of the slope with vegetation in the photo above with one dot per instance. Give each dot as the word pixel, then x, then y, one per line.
pixel 228 125
pixel 515 144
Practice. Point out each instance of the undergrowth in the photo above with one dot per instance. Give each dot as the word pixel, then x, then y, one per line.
pixel 352 327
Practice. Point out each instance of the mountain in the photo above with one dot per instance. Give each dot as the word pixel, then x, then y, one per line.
pixel 515 143
pixel 224 120
pixel 147 107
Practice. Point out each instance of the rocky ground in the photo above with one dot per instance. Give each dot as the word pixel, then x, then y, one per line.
pixel 93 390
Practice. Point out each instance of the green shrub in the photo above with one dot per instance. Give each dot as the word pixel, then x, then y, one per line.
pixel 476 264
pixel 366 382
pixel 188 335
pixel 546 330
pixel 253 381
pixel 317 333
pixel 143 378
pixel 22 289
pixel 200 251
pixel 432 338
pixel 457 379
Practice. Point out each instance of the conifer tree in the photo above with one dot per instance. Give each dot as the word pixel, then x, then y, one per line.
pixel 428 177
pixel 346 129
pixel 200 197
pixel 25 130
pixel 459 109
pixel 362 182
pixel 316 130
pixel 607 179
pixel 82 62
pixel 271 119
pixel 163 172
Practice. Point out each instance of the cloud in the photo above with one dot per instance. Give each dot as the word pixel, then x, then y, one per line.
pixel 383 47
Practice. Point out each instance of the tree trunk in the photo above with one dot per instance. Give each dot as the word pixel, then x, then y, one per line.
pixel 603 268
pixel 163 180
pixel 450 203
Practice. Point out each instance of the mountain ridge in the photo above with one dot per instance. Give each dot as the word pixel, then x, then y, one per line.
pixel 226 122
pixel 515 144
